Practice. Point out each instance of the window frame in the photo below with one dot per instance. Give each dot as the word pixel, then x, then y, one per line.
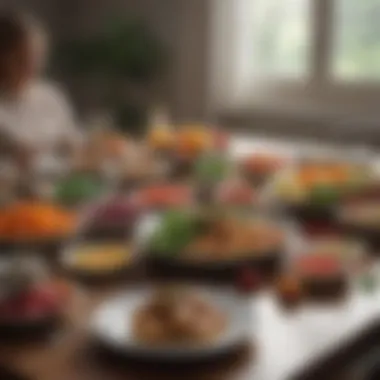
pixel 232 88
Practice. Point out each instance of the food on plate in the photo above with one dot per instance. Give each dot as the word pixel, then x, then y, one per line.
pixel 178 316
pixel 29 221
pixel 117 212
pixel 100 257
pixel 164 196
pixel 26 293
pixel 362 220
pixel 188 141
pixel 363 214
pixel 233 238
pixel 322 275
pixel 78 188
pixel 289 290
pixel 319 266
pixel 348 251
pixel 176 229
pixel 320 183
pixel 193 140
pixel 214 236
pixel 33 302
pixel 262 164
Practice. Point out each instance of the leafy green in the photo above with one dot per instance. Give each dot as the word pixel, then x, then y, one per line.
pixel 176 230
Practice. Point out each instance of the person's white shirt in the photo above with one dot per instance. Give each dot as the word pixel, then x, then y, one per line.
pixel 40 117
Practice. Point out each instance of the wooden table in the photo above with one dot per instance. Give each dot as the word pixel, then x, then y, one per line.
pixel 283 344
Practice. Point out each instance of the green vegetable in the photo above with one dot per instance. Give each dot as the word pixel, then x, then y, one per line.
pixel 77 189
pixel 324 195
pixel 176 231
pixel 211 168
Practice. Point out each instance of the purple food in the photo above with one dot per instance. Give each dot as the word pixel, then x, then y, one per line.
pixel 115 212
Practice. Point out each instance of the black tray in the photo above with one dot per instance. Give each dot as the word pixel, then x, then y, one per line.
pixel 268 265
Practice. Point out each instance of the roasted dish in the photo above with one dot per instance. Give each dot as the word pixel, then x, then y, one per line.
pixel 233 238
pixel 178 316
pixel 30 221
pixel 213 236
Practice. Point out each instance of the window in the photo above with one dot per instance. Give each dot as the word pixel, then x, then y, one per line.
pixel 357 40
pixel 322 51
pixel 280 37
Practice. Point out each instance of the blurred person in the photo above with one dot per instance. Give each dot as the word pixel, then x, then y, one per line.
pixel 35 117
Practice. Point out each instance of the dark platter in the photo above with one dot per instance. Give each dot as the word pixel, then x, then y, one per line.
pixel 268 265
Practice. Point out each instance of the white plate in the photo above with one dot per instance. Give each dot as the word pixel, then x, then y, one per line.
pixel 111 324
